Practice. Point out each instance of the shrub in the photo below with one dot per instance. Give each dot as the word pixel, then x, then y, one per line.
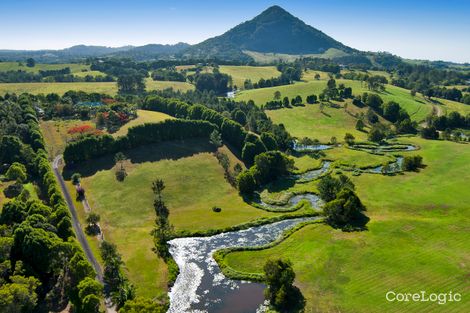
pixel 121 174
pixel 412 163
pixel 76 178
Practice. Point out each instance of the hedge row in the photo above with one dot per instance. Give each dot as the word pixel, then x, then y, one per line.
pixel 95 146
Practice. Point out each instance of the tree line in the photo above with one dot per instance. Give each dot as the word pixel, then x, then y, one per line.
pixel 43 268
pixel 60 76
pixel 90 147
pixel 247 114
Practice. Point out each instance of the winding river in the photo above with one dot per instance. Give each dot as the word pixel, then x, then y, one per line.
pixel 201 286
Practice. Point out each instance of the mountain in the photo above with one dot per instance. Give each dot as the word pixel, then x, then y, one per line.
pixel 273 31
pixel 146 52
pixel 152 51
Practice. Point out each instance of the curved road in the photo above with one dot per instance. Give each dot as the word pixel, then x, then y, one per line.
pixel 78 230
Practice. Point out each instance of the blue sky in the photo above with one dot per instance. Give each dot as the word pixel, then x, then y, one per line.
pixel 436 30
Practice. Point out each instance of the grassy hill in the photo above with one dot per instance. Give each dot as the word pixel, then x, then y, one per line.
pixel 415 241
pixel 418 107
pixel 254 73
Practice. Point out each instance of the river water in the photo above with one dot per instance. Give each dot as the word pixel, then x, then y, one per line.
pixel 201 286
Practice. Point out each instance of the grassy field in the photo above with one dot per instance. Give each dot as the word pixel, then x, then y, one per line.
pixel 15 66
pixel 309 121
pixel 417 240
pixel 262 57
pixel 194 184
pixel 109 88
pixel 88 72
pixel 417 106
pixel 355 158
pixel 56 135
pixel 143 116
pixel 254 73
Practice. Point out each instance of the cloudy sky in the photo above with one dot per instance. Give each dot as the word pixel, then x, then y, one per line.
pixel 436 30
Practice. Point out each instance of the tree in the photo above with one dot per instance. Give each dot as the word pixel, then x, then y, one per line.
pixel 412 163
pixel 391 111
pixel 371 116
pixel 279 277
pixel 20 295
pixel 311 99
pixel 269 141
pixel 121 173
pixel 429 133
pixel 246 182
pixel 131 83
pixel 89 293
pixel 92 220
pixel 376 134
pixel 142 305
pixel 345 209
pixel 374 101
pixel 277 95
pixel 76 178
pixel 30 62
pixel 329 186
pixel 360 125
pixel 349 139
pixel 17 172
pixel 285 102
pixel 216 138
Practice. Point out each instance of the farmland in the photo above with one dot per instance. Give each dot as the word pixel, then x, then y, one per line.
pixel 413 242
pixel 417 107
pixel 109 88
pixel 254 73
pixel 187 168
pixel 143 116
pixel 15 66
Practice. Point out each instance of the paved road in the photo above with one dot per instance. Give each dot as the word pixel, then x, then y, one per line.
pixel 78 230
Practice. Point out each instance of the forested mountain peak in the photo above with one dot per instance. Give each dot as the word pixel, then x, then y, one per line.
pixel 273 31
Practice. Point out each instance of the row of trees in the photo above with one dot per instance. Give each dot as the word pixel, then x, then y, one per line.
pixel 247 114
pixel 42 266
pixel 249 145
pixel 90 147
pixel 450 121
pixel 60 76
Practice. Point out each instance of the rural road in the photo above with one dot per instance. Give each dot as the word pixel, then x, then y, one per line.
pixel 78 230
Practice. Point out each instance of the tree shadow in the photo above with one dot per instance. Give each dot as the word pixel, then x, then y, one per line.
pixel 171 150
pixel 296 301
pixel 281 184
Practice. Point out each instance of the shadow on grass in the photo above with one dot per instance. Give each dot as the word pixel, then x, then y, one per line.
pixel 171 150
pixel 296 301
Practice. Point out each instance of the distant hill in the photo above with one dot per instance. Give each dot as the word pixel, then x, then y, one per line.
pixel 273 31
pixel 152 51
pixel 146 52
